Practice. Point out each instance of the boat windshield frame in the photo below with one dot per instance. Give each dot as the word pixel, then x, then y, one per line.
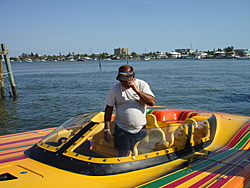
pixel 62 134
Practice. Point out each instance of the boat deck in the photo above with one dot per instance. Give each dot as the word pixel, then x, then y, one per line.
pixel 229 164
pixel 12 146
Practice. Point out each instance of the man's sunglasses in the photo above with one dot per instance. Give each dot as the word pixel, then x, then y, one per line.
pixel 123 81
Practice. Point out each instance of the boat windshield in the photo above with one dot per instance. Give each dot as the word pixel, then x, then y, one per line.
pixel 61 134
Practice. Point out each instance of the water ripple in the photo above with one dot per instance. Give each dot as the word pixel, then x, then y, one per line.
pixel 50 93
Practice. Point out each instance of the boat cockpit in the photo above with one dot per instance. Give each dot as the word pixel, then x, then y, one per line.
pixel 171 134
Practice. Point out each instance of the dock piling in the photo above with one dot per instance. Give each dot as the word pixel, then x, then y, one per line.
pixel 100 62
pixel 1 79
pixel 4 51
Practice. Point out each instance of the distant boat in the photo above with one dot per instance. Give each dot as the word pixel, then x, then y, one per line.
pixel 194 57
pixel 107 59
pixel 81 59
pixel 145 58
pixel 243 58
pixel 29 61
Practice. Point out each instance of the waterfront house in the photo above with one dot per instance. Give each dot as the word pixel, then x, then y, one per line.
pixel 242 52
pixel 230 54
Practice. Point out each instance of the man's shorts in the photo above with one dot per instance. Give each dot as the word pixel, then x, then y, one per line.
pixel 125 141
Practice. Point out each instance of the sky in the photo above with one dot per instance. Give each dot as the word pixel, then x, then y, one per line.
pixel 50 27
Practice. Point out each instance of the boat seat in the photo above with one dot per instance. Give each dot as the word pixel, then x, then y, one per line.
pixel 171 123
pixel 172 117
pixel 200 129
pixel 154 140
pixel 106 148
pixel 167 115
pixel 180 138
pixel 151 121
pixel 201 132
pixel 103 147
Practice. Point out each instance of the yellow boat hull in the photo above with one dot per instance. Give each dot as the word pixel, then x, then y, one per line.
pixel 224 162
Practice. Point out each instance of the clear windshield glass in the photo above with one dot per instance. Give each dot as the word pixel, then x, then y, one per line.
pixel 61 134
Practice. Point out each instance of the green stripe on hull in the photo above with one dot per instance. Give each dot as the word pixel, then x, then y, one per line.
pixel 199 166
pixel 17 147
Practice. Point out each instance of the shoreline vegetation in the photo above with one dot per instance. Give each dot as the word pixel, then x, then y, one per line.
pixel 226 53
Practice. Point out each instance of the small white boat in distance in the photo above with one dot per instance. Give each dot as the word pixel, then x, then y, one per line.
pixel 243 58
pixel 145 58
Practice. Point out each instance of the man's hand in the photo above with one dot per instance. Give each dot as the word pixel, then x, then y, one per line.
pixel 132 84
pixel 107 136
pixel 107 117
pixel 144 98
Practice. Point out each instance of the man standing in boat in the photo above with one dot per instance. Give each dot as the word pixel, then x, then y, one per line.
pixel 130 98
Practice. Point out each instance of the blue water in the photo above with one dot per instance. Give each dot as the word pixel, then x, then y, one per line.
pixel 52 92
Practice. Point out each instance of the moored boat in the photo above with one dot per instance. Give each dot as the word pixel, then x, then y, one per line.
pixel 182 148
pixel 243 58
pixel 145 58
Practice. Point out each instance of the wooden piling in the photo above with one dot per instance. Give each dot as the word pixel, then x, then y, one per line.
pixel 100 62
pixel 5 51
pixel 1 79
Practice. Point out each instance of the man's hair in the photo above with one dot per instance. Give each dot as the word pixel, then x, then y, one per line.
pixel 126 67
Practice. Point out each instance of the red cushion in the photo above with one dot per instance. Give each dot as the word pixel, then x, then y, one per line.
pixel 166 115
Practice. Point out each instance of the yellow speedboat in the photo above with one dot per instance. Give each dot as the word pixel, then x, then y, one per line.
pixel 183 148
